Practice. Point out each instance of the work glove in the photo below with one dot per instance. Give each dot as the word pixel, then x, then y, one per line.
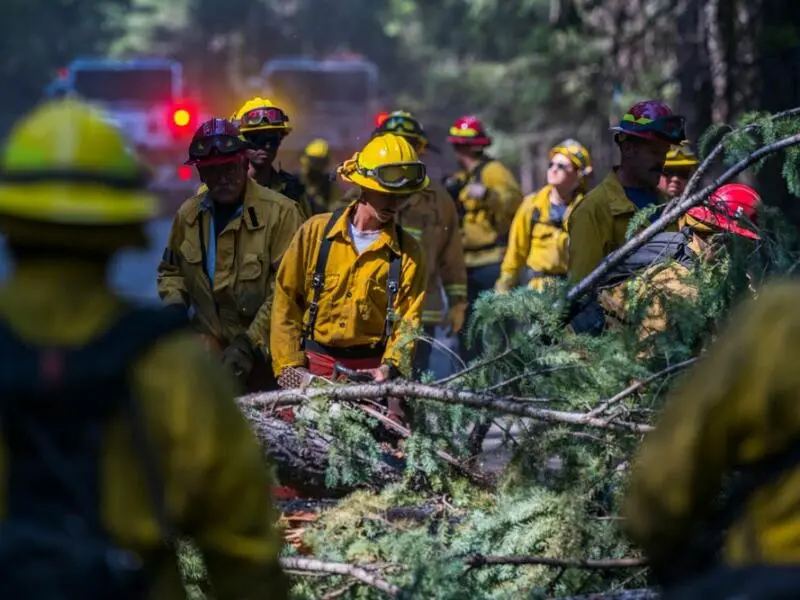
pixel 239 356
pixel 456 315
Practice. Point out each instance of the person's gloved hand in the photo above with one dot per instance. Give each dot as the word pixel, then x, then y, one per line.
pixel 502 286
pixel 456 315
pixel 477 191
pixel 239 356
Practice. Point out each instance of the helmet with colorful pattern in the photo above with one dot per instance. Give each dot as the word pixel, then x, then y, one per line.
pixel 652 120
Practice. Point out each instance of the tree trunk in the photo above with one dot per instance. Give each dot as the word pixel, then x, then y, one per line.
pixel 715 44
pixel 693 74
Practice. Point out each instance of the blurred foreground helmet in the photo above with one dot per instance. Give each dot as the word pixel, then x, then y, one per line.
pixel 63 163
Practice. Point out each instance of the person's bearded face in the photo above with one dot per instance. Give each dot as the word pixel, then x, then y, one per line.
pixel 644 160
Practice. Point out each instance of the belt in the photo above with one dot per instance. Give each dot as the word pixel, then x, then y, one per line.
pixel 362 351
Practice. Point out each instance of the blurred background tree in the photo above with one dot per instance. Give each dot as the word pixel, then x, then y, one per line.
pixel 536 70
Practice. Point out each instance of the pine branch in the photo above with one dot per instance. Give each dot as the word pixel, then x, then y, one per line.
pixel 671 215
pixel 635 387
pixel 478 560
pixel 314 565
pixel 720 147
pixel 401 389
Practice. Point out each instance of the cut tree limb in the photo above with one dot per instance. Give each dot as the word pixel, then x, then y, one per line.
pixel 301 458
pixel 313 565
pixel 410 390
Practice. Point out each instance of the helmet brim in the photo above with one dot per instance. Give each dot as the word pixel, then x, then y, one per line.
pixel 216 159
pixel 710 217
pixel 476 141
pixel 644 135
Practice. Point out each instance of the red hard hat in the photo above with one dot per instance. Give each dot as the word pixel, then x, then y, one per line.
pixel 468 131
pixel 216 141
pixel 729 204
pixel 652 120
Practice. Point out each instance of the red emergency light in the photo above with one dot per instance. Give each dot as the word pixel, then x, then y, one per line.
pixel 181 118
pixel 380 118
pixel 185 172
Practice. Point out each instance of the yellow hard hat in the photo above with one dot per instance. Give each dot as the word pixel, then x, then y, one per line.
pixel 577 153
pixel 64 164
pixel 260 114
pixel 681 156
pixel 318 148
pixel 389 164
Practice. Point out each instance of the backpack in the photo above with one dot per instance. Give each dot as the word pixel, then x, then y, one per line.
pixel 293 188
pixel 54 405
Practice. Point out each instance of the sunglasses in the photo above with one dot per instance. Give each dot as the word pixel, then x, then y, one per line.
pixel 559 166
pixel 264 139
pixel 679 173
pixel 224 144
pixel 264 116
pixel 397 176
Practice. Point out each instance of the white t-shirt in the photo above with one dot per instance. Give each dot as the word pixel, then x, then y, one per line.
pixel 363 239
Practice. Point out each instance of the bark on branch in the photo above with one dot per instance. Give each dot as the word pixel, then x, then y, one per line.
pixel 418 391
pixel 478 560
pixel 313 565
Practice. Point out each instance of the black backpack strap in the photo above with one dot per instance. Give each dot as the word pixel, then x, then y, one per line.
pixel 318 279
pixel 477 174
pixel 393 285
pixel 536 216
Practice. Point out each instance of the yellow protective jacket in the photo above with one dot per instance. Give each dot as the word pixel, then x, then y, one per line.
pixel 735 408
pixel 216 481
pixel 486 222
pixel 248 252
pixel 352 305
pixel 536 242
pixel 597 226
pixel 430 216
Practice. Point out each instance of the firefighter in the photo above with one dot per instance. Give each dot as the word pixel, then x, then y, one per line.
pixel 115 411
pixel 265 126
pixel 431 217
pixel 679 167
pixel 644 136
pixel 539 242
pixel 223 252
pixel 713 498
pixel 732 208
pixel 350 278
pixel 488 196
pixel 322 191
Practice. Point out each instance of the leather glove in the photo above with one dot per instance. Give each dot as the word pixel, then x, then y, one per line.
pixel 239 356
pixel 456 315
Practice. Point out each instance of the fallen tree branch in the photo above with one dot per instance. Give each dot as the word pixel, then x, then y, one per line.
pixel 418 391
pixel 670 215
pixel 314 565
pixel 635 387
pixel 478 560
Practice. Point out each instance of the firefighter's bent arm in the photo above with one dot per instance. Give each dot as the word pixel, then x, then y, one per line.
pixel 410 300
pixel 171 286
pixel 451 254
pixel 284 227
pixel 290 302
pixel 519 244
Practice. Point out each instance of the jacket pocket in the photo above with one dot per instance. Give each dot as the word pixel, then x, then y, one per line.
pixel 251 288
pixel 191 253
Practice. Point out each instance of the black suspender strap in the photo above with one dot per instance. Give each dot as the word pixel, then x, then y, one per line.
pixel 318 280
pixel 393 286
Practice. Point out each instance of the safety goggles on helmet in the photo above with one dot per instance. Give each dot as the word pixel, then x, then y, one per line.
pixel 672 128
pixel 397 176
pixel 263 116
pixel 263 139
pixel 226 146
